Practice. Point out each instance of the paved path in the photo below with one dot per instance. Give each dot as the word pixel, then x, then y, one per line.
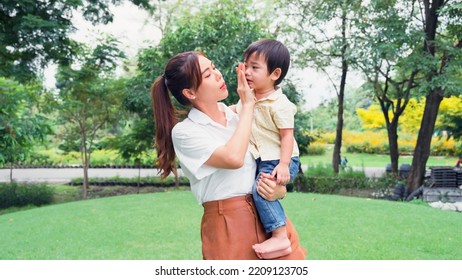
pixel 64 175
pixel 60 175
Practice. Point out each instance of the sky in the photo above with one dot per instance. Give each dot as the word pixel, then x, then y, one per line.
pixel 133 27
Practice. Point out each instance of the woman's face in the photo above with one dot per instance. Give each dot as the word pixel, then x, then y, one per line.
pixel 213 87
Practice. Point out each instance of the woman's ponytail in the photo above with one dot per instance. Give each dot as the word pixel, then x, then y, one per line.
pixel 164 121
pixel 181 72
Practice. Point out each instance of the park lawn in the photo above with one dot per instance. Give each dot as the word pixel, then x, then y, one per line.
pixel 372 160
pixel 165 226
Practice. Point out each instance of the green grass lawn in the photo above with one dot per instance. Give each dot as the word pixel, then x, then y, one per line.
pixel 370 160
pixel 165 226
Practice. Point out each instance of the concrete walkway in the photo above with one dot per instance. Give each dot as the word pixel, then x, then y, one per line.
pixel 65 175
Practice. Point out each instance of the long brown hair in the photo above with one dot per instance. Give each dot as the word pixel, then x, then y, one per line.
pixel 181 72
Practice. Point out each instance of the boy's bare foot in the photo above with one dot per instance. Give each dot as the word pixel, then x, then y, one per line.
pixel 276 254
pixel 274 247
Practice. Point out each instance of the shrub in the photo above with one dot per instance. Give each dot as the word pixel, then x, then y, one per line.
pixel 18 195
pixel 328 137
pixel 316 149
pixel 37 159
pixel 322 179
pixel 366 142
pixel 376 142
pixel 144 181
pixel 319 170
pixel 99 158
pixel 332 185
pixel 441 146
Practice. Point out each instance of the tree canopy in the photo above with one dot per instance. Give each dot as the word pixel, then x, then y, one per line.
pixel 90 97
pixel 36 33
pixel 22 124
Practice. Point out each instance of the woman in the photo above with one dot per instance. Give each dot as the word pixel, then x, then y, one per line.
pixel 212 147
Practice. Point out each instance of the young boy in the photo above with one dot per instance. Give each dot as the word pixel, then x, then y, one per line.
pixel 272 141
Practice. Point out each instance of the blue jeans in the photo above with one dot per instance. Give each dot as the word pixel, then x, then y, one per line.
pixel 271 213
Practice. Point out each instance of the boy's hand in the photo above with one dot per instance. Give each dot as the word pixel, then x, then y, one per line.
pixel 282 174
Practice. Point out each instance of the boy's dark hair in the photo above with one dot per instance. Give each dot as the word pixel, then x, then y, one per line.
pixel 276 55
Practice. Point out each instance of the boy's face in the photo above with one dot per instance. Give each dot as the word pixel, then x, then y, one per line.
pixel 256 73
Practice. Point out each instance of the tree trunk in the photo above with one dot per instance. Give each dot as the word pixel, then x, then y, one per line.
pixel 392 129
pixel 85 173
pixel 340 96
pixel 432 104
pixel 85 164
pixel 338 136
pixel 177 178
pixel 11 174
pixel 138 163
pixel 424 139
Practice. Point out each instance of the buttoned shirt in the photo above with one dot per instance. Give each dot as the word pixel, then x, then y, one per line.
pixel 271 114
pixel 194 140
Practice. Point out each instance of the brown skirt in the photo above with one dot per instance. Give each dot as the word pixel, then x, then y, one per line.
pixel 231 226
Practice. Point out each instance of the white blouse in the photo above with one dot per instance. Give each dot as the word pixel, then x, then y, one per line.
pixel 195 139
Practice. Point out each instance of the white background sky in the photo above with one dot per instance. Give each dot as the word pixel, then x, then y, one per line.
pixel 133 27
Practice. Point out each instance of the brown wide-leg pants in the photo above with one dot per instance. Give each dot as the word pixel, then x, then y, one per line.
pixel 231 226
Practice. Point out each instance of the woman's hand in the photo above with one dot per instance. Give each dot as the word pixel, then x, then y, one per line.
pixel 269 189
pixel 245 94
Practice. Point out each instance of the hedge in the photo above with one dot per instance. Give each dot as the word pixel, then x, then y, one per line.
pixel 334 184
pixel 21 194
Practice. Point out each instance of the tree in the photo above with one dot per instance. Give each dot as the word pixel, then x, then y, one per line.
pixel 323 48
pixel 442 51
pixel 166 12
pixel 325 115
pixel 36 33
pixel 22 125
pixel 90 97
pixel 385 53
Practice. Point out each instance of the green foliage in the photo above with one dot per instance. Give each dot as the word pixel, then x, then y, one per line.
pixel 99 158
pixel 18 195
pixel 322 179
pixel 331 185
pixel 21 124
pixel 35 33
pixel 311 43
pixel 323 170
pixel 316 149
pixel 131 144
pixel 325 115
pixel 89 96
pixel 143 181
pixel 449 121
pixel 301 132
